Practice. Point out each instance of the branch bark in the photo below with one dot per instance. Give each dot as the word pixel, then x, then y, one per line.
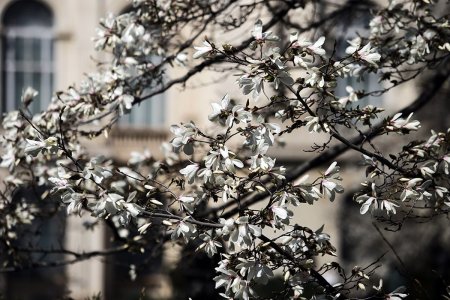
pixel 78 258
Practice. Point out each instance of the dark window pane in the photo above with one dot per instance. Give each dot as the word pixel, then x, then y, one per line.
pixel 27 52
pixel 20 49
pixel 36 49
pixel 36 107
pixel 157 111
pixel 8 49
pixel 150 112
pixel 19 82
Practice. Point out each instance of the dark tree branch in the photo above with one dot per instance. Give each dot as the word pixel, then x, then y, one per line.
pixel 329 289
pixel 426 96
pixel 79 257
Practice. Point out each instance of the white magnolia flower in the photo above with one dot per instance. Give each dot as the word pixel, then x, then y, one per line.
pixel 355 44
pixel 352 96
pixel 419 46
pixel 34 147
pixel 235 286
pixel 94 170
pixel 313 124
pixel 369 55
pixel 302 61
pixel 226 114
pixel 204 50
pixel 315 78
pixel 8 159
pixel 262 162
pixel 60 180
pixel 184 230
pixel 388 206
pixel 332 169
pixel 133 209
pixel 293 36
pixel 239 231
pixel 410 190
pixel 28 95
pixel 281 215
pixel 206 174
pixel 74 202
pixel 125 103
pixel 209 245
pixel 279 211
pixel 143 228
pixel 445 164
pixel 397 294
pixel 377 25
pixel 252 85
pixel 104 34
pixel 212 160
pixel 254 271
pixel 230 163
pixel 220 108
pixel 399 124
pixel 316 48
pixel 445 46
pixel 183 137
pixel 188 203
pixel 330 188
pixel 239 114
pixel 368 202
pixel 190 172
pixel 428 169
pixel 299 42
pixel 132 33
pixel 261 36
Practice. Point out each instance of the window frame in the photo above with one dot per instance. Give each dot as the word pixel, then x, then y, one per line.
pixel 29 67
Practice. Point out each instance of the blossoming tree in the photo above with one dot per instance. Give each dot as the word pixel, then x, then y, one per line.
pixel 205 189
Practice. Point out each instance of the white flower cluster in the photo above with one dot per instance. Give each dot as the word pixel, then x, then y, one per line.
pixel 329 186
pixel 231 164
pixel 237 283
pixel 401 125
pixel 239 233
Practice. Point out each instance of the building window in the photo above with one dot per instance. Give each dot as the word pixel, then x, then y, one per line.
pixel 150 112
pixel 27 54
pixel 356 25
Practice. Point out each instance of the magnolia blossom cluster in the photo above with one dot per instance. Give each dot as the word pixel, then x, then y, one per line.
pixel 204 189
pixel 425 186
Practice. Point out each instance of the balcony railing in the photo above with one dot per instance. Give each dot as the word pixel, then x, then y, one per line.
pixel 124 139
